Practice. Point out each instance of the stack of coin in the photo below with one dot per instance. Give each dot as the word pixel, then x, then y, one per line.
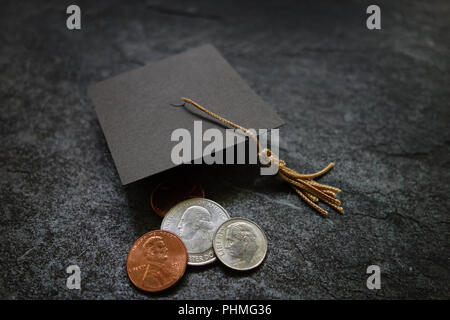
pixel 196 231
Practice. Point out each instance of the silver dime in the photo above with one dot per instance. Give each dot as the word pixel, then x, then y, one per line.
pixel 240 244
pixel 195 221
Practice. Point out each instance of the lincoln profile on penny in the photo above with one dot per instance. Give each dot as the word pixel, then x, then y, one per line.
pixel 157 271
pixel 196 229
pixel 240 243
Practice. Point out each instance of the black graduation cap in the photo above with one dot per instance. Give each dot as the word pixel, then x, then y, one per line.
pixel 135 112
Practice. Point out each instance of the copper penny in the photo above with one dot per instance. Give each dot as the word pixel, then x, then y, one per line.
pixel 169 193
pixel 156 261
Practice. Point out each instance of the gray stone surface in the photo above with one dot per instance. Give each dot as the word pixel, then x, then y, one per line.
pixel 375 102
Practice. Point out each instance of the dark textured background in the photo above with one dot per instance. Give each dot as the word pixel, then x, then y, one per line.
pixel 375 102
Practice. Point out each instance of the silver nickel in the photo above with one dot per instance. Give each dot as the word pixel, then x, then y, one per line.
pixel 195 221
pixel 240 244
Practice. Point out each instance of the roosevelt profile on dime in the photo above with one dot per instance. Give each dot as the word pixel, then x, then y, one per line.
pixel 240 244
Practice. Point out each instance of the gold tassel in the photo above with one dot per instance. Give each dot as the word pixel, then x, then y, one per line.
pixel 309 190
